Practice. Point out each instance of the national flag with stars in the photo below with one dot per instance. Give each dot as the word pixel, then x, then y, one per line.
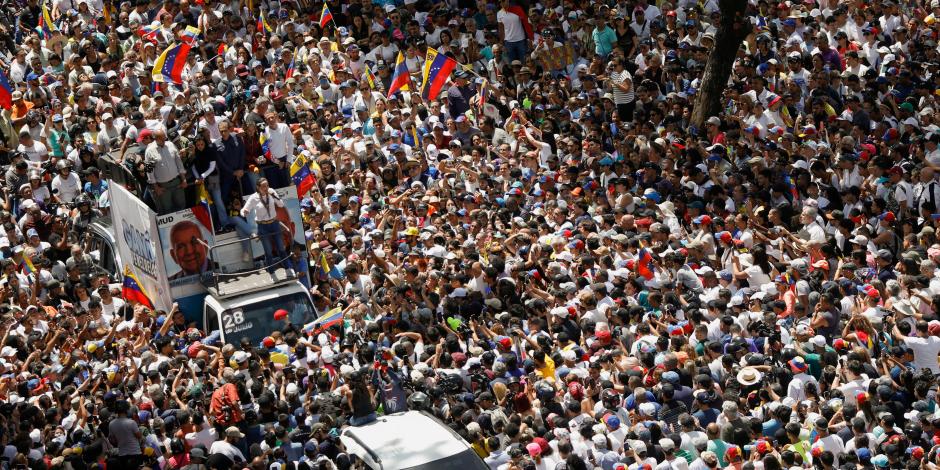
pixel 201 210
pixel 437 69
pixel 133 290
pixel 301 175
pixel 325 16
pixel 169 66
pixel 265 146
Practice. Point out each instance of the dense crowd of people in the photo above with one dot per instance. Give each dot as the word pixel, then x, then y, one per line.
pixel 539 247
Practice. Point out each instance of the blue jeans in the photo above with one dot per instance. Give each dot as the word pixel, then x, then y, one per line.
pixel 354 421
pixel 240 224
pixel 516 50
pixel 273 243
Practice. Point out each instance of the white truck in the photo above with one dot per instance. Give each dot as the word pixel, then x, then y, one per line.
pixel 233 294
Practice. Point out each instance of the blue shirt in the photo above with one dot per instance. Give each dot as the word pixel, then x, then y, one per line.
pixel 604 41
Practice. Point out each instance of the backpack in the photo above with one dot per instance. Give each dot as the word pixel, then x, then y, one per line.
pixel 224 405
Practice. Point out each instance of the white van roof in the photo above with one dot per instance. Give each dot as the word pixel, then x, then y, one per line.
pixel 405 440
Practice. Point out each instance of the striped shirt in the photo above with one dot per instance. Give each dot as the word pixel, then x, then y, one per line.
pixel 620 96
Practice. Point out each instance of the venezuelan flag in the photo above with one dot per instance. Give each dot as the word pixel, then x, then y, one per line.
pixel 46 26
pixel 416 136
pixel 333 317
pixel 189 35
pixel 325 16
pixel 401 79
pixel 150 32
pixel 28 267
pixel 290 67
pixel 792 187
pixel 263 26
pixel 169 66
pixel 265 146
pixel 484 93
pixel 132 289
pixel 437 68
pixel 201 209
pixel 222 49
pixel 370 77
pixel 644 264
pixel 328 268
pixel 6 92
pixel 302 175
pixel 830 112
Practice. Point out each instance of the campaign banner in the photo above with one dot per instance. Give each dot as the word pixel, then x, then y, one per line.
pixel 137 238
pixel 185 240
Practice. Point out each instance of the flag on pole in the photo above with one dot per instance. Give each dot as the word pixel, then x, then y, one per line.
pixel 133 290
pixel 6 92
pixel 46 27
pixel 437 69
pixel 325 16
pixel 483 93
pixel 401 79
pixel 222 49
pixel 169 66
pixel 189 35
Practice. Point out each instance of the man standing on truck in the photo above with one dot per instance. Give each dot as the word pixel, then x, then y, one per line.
pixel 264 203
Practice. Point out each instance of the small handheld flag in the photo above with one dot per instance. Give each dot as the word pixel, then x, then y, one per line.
pixel 325 16
pixel 333 317
pixel 132 289
pixel 169 66
pixel 332 270
pixel 189 35
pixel 369 76
pixel 28 267
pixel 290 67
pixel 265 146
pixel 150 32
pixel 644 264
pixel 401 79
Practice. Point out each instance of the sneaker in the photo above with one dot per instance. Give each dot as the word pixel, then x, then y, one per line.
pixel 274 277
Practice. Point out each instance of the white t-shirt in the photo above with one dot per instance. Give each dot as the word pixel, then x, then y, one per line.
pixel 925 352
pixel 512 26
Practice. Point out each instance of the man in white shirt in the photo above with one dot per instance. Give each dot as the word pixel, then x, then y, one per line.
pixel 264 203
pixel 512 32
pixel 925 345
pixel 280 142
pixel 227 446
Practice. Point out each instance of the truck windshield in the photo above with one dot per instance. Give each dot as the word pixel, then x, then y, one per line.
pixel 256 320
pixel 466 460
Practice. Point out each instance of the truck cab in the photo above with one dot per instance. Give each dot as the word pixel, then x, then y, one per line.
pixel 245 307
